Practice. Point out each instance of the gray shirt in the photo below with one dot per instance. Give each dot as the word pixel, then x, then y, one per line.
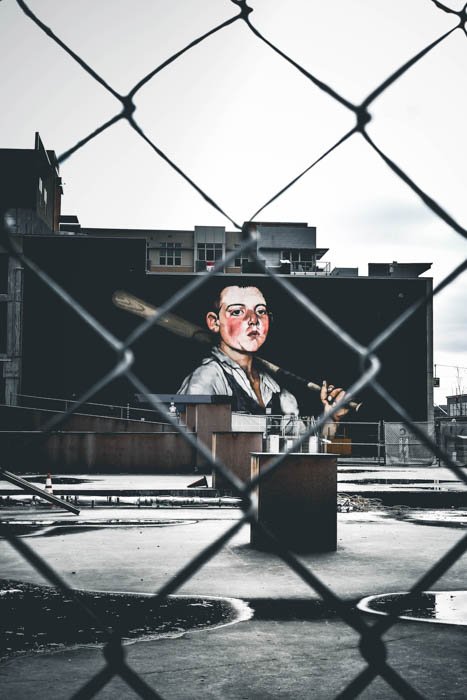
pixel 209 378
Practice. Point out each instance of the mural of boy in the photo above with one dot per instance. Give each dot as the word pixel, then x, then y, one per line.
pixel 241 319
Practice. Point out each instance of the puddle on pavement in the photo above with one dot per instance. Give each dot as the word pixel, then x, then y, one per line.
pixel 54 528
pixel 40 618
pixel 400 482
pixel 290 609
pixel 40 478
pixel 347 470
pixel 444 518
pixel 448 607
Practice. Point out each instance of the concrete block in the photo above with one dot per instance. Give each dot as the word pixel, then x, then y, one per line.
pixel 234 450
pixel 297 502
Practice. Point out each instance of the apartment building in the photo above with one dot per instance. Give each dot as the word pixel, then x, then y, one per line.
pixel 288 248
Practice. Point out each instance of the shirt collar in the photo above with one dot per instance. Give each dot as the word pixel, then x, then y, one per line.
pixel 265 378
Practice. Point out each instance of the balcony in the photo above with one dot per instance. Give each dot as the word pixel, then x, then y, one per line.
pixel 314 269
pixel 308 268
pixel 204 265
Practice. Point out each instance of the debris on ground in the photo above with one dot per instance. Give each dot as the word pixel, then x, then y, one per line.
pixel 349 504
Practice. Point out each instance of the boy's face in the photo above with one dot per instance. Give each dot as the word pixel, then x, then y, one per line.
pixel 242 320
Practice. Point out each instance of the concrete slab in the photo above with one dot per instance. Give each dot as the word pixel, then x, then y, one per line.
pixel 376 553
pixel 426 487
pixel 113 483
pixel 255 660
pixel 356 478
pixel 273 655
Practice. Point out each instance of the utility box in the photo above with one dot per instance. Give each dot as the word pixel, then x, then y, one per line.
pixel 297 502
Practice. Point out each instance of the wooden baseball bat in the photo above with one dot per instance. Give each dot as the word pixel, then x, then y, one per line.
pixel 187 329
pixel 173 323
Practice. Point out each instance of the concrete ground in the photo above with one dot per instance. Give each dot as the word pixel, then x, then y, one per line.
pixel 365 479
pixel 279 652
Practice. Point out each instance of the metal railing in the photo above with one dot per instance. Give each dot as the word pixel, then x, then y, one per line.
pixel 371 645
pixel 358 442
pixel 315 269
pixel 89 408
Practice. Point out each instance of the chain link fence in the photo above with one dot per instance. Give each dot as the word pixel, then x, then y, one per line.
pixel 452 437
pixel 372 646
pixel 403 447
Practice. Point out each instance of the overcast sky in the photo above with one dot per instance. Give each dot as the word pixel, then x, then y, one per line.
pixel 241 122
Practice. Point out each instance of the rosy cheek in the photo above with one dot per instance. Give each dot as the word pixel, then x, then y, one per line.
pixel 233 326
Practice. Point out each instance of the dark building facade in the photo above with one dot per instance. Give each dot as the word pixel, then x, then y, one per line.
pixel 30 199
pixel 63 356
pixel 31 188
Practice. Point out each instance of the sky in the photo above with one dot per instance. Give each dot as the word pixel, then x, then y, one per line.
pixel 242 122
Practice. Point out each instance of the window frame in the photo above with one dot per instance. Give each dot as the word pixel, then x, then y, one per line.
pixel 170 254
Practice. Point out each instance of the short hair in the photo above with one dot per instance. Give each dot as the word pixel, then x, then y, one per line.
pixel 216 303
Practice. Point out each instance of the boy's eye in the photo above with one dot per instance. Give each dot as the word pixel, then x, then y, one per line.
pixel 262 311
pixel 237 312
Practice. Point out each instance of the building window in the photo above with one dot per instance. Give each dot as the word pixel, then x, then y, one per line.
pixel 3 328
pixel 458 408
pixel 296 256
pixel 170 254
pixel 301 260
pixel 239 260
pixel 209 252
pixel 42 195
pixel 3 274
